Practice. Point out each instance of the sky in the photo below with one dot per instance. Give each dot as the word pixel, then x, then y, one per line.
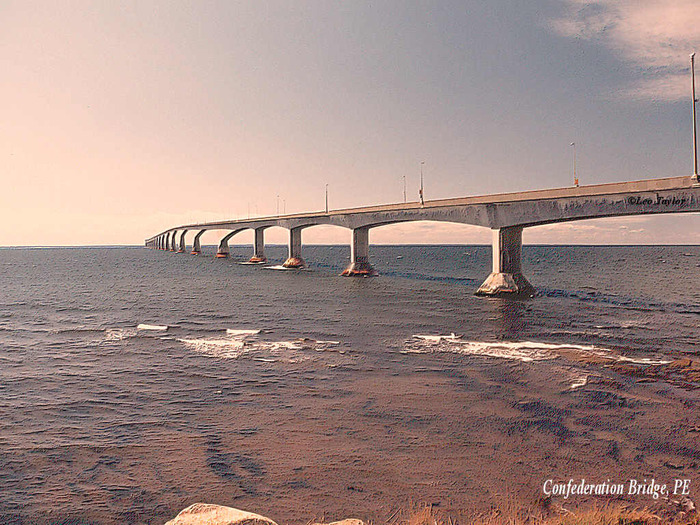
pixel 122 119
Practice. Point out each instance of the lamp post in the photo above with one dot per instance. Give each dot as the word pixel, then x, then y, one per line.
pixel 695 128
pixel 326 198
pixel 404 189
pixel 278 205
pixel 420 192
pixel 573 144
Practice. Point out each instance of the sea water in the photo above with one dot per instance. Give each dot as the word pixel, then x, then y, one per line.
pixel 134 382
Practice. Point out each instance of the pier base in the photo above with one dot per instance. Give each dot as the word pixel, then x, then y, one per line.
pixel 295 260
pixel 506 277
pixel 359 269
pixel 359 255
pixel 259 247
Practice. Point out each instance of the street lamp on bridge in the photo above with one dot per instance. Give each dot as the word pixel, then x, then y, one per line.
pixel 420 192
pixel 695 127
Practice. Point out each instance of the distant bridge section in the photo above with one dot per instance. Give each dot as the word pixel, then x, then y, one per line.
pixel 505 214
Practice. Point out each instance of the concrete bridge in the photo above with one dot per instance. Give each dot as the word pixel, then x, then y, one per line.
pixel 505 214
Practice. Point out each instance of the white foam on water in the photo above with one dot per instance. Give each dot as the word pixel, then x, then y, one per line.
pixel 241 333
pixel 521 351
pixel 224 348
pixel 644 360
pixel 242 343
pixel 153 327
pixel 438 338
pixel 119 334
pixel 518 350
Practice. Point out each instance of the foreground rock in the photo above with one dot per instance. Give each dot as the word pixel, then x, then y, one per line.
pixel 207 514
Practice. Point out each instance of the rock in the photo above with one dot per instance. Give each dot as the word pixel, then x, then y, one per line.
pixel 687 505
pixel 349 521
pixel 208 514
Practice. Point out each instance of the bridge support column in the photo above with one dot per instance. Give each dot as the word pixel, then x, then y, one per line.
pixel 183 246
pixel 506 276
pixel 295 259
pixel 167 242
pixel 259 247
pixel 359 255
pixel 196 248
pixel 173 242
pixel 224 250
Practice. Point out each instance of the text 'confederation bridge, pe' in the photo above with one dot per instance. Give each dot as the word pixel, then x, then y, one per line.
pixel 506 214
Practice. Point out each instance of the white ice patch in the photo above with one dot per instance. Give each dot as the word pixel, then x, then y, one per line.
pixel 241 333
pixel 154 327
pixel 578 382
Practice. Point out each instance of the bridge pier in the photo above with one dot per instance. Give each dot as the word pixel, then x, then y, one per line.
pixel 224 250
pixel 506 276
pixel 295 259
pixel 183 246
pixel 359 255
pixel 173 242
pixel 196 248
pixel 259 247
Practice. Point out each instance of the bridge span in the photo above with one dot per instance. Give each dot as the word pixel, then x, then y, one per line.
pixel 505 214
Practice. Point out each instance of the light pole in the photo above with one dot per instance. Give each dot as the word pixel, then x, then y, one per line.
pixel 420 192
pixel 278 205
pixel 404 189
pixel 326 198
pixel 573 144
pixel 695 127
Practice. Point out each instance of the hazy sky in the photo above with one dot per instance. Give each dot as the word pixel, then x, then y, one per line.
pixel 120 119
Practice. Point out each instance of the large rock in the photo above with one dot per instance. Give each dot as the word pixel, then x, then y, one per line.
pixel 208 514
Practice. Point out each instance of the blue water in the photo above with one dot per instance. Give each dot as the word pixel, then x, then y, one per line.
pixel 102 422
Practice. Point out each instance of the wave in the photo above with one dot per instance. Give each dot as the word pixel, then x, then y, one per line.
pixel 236 346
pixel 522 351
pixel 525 351
pixel 119 334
